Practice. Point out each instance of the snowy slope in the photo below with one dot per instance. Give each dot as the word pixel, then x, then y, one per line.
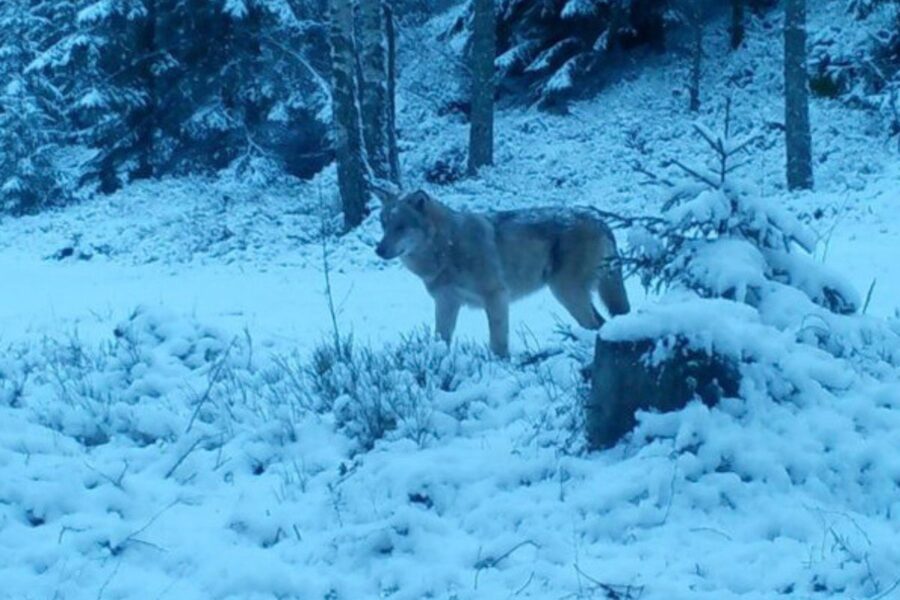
pixel 162 435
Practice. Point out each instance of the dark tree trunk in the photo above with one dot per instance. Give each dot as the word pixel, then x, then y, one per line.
pixel 144 119
pixel 798 139
pixel 617 20
pixel 481 131
pixel 737 24
pixel 351 162
pixel 696 54
pixel 391 36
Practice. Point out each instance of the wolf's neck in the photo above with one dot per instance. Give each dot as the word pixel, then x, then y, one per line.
pixel 432 259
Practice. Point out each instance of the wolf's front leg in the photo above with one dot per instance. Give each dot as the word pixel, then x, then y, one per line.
pixel 497 308
pixel 446 311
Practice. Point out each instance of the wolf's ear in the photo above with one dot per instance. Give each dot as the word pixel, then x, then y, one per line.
pixel 418 200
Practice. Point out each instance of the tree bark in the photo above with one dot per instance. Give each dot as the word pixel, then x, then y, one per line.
pixel 737 24
pixel 624 380
pixel 617 19
pixel 351 161
pixel 481 131
pixel 374 92
pixel 144 119
pixel 798 139
pixel 696 54
pixel 391 36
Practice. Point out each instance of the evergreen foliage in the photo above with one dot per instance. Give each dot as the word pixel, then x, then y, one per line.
pixel 546 49
pixel 157 87
pixel 718 239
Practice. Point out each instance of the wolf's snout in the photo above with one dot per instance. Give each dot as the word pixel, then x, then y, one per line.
pixel 380 251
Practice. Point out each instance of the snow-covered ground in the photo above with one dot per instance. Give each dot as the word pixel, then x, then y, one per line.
pixel 158 438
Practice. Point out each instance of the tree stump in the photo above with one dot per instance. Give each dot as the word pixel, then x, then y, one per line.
pixel 625 380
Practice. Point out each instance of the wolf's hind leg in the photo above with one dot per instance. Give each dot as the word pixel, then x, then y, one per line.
pixel 577 300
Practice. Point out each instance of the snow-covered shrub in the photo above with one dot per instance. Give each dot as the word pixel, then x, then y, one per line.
pixel 161 378
pixel 153 378
pixel 557 377
pixel 449 166
pixel 372 392
pixel 14 374
pixel 741 284
pixel 719 239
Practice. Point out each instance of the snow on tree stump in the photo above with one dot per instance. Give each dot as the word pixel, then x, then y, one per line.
pixel 626 378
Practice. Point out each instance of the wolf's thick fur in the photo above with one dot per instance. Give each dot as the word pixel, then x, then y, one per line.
pixel 491 259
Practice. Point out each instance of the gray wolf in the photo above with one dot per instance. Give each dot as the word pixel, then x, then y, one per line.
pixel 488 260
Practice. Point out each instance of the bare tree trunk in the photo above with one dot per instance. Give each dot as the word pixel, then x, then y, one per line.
pixel 696 53
pixel 391 35
pixel 374 93
pixel 737 24
pixel 798 139
pixel 144 120
pixel 617 20
pixel 481 131
pixel 351 161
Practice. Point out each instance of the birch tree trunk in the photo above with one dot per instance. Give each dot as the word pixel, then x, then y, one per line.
pixel 737 24
pixel 798 139
pixel 374 84
pixel 481 131
pixel 351 161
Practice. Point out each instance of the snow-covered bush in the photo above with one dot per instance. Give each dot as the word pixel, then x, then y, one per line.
pixel 160 377
pixel 372 392
pixel 741 284
pixel 143 383
pixel 448 167
pixel 720 239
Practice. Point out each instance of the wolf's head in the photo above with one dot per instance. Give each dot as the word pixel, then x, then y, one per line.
pixel 405 224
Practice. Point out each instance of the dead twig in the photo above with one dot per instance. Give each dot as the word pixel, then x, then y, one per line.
pixel 613 591
pixel 117 482
pixel 869 296
pixel 214 377
pixel 491 562
pixel 184 456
